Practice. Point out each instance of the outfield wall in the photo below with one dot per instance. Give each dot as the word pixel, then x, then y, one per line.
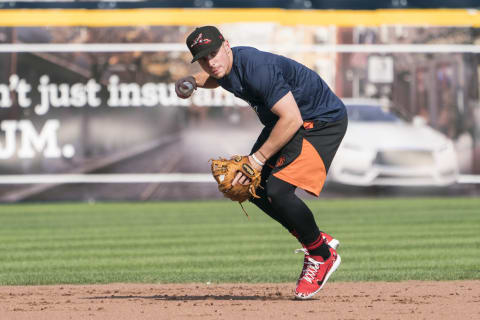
pixel 83 90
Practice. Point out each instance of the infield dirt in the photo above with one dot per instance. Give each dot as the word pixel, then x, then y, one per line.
pixel 348 300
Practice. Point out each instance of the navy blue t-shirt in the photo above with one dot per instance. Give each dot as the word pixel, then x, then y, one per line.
pixel 262 78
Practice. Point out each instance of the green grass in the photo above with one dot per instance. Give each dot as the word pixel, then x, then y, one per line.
pixel 381 239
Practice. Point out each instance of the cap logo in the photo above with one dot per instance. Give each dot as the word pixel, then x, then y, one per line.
pixel 199 41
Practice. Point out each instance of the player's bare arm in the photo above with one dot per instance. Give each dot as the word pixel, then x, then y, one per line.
pixel 289 121
pixel 204 80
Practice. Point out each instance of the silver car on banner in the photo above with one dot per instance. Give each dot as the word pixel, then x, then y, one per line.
pixel 380 148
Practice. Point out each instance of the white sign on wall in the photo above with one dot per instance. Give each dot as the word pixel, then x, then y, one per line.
pixel 380 69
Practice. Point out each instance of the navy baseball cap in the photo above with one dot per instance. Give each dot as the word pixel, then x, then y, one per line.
pixel 204 40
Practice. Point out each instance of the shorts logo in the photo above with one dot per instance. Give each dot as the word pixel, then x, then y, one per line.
pixel 199 41
pixel 308 124
pixel 280 161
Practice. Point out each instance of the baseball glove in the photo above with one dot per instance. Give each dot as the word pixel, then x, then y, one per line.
pixel 225 170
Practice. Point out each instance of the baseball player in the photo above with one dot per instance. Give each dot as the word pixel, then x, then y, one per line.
pixel 304 125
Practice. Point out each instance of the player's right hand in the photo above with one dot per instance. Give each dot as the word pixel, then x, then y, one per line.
pixel 184 87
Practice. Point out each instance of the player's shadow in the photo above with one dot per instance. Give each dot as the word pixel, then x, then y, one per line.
pixel 226 297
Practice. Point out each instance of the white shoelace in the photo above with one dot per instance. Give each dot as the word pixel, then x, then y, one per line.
pixel 302 250
pixel 312 269
pixel 306 254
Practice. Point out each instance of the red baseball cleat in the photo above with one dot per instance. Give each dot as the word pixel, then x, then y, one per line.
pixel 332 242
pixel 316 274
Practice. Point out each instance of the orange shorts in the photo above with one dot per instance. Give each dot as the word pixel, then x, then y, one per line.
pixel 304 161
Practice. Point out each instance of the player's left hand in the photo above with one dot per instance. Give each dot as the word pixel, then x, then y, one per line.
pixel 243 179
pixel 236 177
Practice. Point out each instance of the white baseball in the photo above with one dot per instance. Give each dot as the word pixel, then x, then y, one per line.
pixel 186 88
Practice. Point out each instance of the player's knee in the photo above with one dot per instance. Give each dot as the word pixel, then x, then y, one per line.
pixel 277 194
pixel 273 195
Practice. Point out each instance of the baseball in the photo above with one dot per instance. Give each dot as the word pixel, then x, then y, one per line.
pixel 186 88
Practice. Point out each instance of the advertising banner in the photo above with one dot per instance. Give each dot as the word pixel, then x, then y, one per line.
pixel 91 101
